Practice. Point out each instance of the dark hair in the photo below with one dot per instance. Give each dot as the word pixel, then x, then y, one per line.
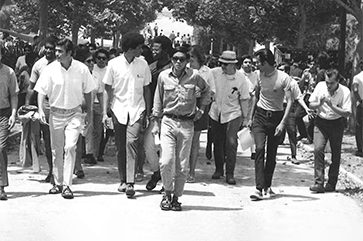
pixel 131 40
pixel 165 43
pixel 323 60
pixel 31 58
pixel 266 55
pixel 82 54
pixel 246 56
pixel 198 52
pixel 27 46
pixel 67 44
pixel 147 53
pixel 332 73
pixel 113 51
pixel 286 66
pixel 102 51
pixel 51 40
pixel 94 46
pixel 183 50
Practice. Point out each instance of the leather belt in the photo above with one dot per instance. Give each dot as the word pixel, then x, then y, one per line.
pixel 267 113
pixel 179 117
pixel 65 111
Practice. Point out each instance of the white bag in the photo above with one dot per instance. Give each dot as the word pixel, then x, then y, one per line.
pixel 246 139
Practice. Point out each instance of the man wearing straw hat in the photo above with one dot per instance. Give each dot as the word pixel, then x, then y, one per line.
pixel 230 105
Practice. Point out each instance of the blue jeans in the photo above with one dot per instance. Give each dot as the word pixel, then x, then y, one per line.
pixel 126 138
pixel 225 144
pixel 263 128
pixel 325 130
pixel 4 134
pixel 176 141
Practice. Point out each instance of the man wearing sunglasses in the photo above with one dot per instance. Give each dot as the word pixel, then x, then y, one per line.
pixel 230 105
pixel 174 112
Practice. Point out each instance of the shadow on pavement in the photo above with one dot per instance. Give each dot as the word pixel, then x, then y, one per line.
pixel 208 208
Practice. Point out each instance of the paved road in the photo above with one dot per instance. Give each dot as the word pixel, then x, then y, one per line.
pixel 212 210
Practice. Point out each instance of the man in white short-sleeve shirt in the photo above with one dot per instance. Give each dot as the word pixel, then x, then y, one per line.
pixel 66 82
pixel 127 82
pixel 357 88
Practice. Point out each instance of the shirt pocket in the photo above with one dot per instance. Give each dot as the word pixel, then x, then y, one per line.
pixel 233 94
pixel 169 92
pixel 189 91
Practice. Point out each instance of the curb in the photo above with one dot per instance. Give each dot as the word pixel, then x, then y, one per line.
pixel 349 175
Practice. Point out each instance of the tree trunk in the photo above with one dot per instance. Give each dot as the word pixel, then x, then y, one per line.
pixel 343 26
pixel 43 19
pixel 302 26
pixel 2 3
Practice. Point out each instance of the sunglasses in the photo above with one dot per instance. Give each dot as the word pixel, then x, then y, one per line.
pixel 101 58
pixel 181 59
pixel 89 61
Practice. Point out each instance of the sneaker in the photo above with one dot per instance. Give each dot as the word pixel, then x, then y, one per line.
pixel 329 187
pixel 122 187
pixel 190 179
pixel 268 193
pixel 130 192
pixel 318 188
pixel 165 203
pixel 175 205
pixel 67 193
pixel 256 195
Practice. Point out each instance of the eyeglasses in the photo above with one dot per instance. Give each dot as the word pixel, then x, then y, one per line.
pixel 89 61
pixel 101 58
pixel 181 59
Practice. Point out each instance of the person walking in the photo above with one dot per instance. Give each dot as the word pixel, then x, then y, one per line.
pixel 227 112
pixel 333 104
pixel 127 82
pixel 175 110
pixel 65 81
pixel 8 106
pixel 268 120
pixel 357 88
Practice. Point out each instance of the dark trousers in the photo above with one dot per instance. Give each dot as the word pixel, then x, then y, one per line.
pixel 299 115
pixel 126 138
pixel 4 135
pixel 358 126
pixel 263 129
pixel 225 144
pixel 325 130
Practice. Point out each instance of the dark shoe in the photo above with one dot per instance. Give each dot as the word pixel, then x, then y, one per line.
pixel 230 180
pixel 329 188
pixel 175 205
pixel 91 160
pixel 253 156
pixel 67 193
pixel 165 203
pixel 80 174
pixel 217 175
pixel 358 153
pixel 130 192
pixel 3 195
pixel 295 161
pixel 122 187
pixel 100 159
pixel 55 189
pixel 307 141
pixel 256 195
pixel 155 178
pixel 162 190
pixel 49 178
pixel 318 188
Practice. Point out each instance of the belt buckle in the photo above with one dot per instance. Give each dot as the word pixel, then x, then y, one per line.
pixel 269 114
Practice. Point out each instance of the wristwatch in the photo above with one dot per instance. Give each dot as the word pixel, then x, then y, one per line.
pixel 201 111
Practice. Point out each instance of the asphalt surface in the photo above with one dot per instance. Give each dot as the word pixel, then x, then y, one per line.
pixel 212 210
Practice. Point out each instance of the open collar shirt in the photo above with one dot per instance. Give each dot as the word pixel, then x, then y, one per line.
pixel 177 96
pixel 127 81
pixel 340 98
pixel 230 90
pixel 65 88
pixel 358 79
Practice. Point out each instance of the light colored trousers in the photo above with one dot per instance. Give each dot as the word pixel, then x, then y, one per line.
pixel 151 150
pixel 176 141
pixel 64 132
